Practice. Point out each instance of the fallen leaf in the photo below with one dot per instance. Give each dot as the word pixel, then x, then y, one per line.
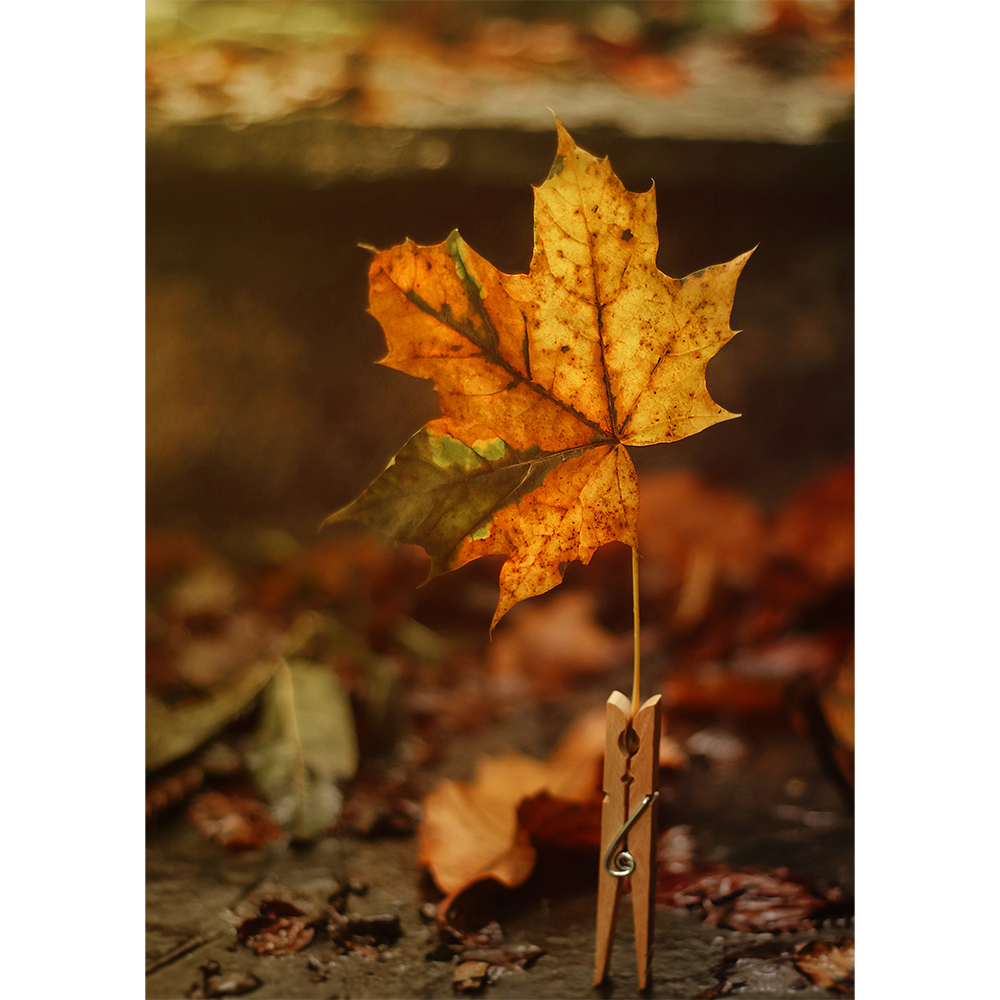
pixel 281 929
pixel 695 537
pixel 370 929
pixel 757 967
pixel 558 822
pixel 470 832
pixel 234 821
pixel 747 901
pixel 543 379
pixel 830 966
pixel 482 946
pixel 305 744
pixel 710 688
pixel 815 529
pixel 562 638
pixel 174 732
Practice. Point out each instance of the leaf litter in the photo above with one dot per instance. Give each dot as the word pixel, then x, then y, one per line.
pixel 548 818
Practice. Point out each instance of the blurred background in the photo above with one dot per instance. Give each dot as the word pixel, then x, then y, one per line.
pixel 280 135
pixel 304 686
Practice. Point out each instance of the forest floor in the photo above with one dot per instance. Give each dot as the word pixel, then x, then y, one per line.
pixel 754 787
pixel 739 813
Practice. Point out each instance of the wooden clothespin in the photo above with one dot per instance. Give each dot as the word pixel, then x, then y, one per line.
pixel 628 828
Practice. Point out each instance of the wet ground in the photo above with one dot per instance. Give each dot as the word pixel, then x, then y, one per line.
pixel 773 808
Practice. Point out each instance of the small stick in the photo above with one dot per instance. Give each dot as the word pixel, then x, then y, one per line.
pixel 635 627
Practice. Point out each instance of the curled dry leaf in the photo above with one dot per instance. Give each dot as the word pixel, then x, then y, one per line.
pixel 235 822
pixel 371 929
pixel 828 965
pixel 748 901
pixel 281 929
pixel 470 831
pixel 481 955
pixel 543 379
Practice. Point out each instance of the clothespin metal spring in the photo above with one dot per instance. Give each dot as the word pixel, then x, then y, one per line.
pixel 624 864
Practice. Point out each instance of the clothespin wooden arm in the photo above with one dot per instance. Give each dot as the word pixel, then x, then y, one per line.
pixel 631 785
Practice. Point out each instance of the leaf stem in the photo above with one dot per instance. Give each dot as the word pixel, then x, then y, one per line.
pixel 635 627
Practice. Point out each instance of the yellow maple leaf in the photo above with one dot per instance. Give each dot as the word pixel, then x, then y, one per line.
pixel 543 380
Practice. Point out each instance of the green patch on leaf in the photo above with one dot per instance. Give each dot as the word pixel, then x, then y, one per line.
pixel 438 491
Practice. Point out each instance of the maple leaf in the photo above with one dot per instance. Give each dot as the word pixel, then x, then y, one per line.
pixel 543 379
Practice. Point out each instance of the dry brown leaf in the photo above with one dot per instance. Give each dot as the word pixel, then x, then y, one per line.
pixel 747 901
pixel 710 688
pixel 815 529
pixel 561 638
pixel 470 832
pixel 281 929
pixel 829 966
pixel 469 976
pixel 695 537
pixel 557 822
pixel 235 822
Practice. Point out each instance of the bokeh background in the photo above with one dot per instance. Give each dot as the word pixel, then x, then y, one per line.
pixel 281 135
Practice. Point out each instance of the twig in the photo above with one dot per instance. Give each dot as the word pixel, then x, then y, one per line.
pixel 192 944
